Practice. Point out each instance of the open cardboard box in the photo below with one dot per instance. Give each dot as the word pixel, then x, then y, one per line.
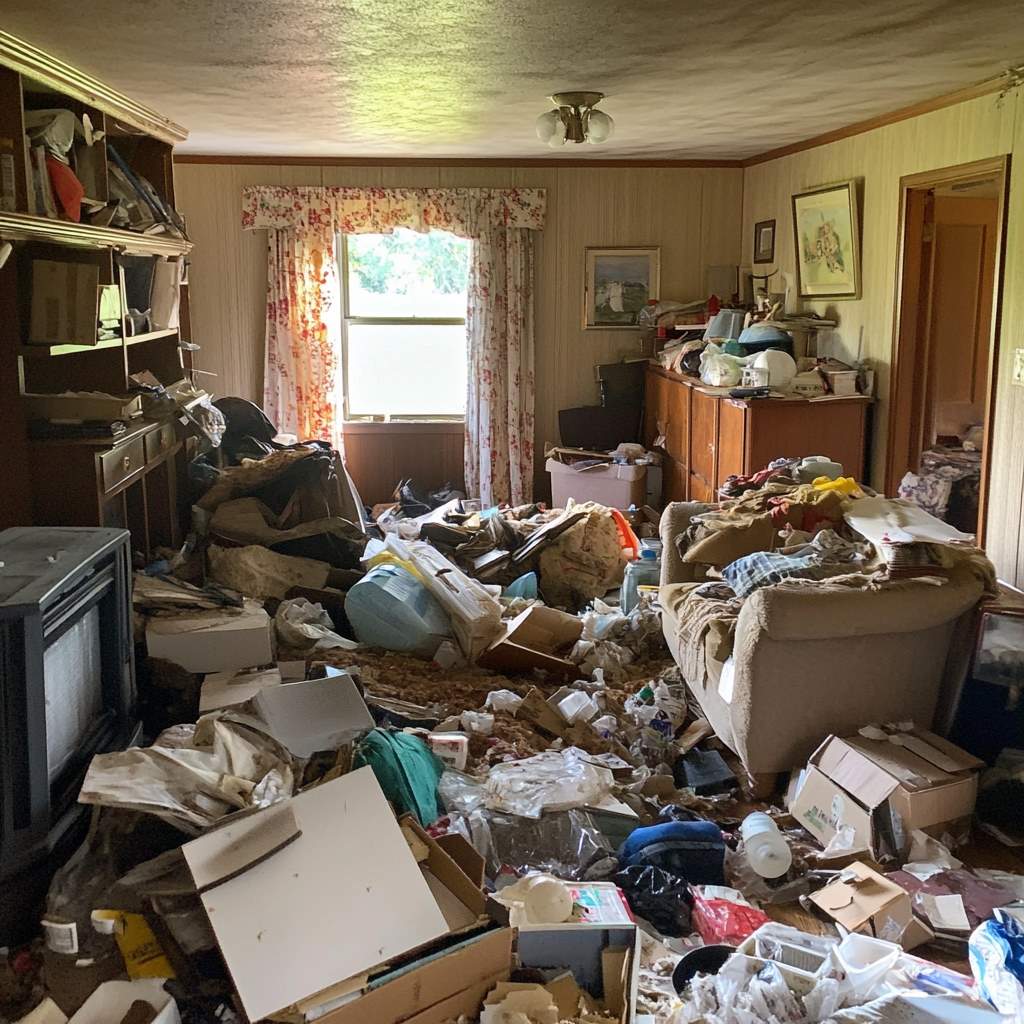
pixel 884 789
pixel 534 639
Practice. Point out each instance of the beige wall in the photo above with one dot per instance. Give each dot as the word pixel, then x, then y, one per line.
pixel 692 213
pixel 969 131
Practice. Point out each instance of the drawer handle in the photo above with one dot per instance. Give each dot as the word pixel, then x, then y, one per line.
pixel 126 462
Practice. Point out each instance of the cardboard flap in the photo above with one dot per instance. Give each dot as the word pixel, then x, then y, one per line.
pixel 244 842
pixel 853 903
pixel 860 776
pixel 938 751
pixel 900 764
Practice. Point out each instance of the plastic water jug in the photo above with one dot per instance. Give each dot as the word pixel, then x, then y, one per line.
pixel 767 850
pixel 644 572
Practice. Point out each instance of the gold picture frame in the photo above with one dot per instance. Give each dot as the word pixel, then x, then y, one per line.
pixel 617 284
pixel 826 240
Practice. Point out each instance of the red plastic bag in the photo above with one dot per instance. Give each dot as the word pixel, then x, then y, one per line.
pixel 720 920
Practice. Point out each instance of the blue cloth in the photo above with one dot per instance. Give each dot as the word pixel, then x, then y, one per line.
pixel 763 568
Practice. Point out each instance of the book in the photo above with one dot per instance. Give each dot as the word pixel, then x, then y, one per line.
pixel 45 202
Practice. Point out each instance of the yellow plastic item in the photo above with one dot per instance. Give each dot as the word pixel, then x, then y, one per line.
pixel 845 485
pixel 142 953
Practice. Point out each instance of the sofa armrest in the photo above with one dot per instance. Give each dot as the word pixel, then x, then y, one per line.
pixel 674 521
pixel 808 612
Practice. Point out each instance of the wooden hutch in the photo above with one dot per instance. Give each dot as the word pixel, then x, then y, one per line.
pixel 710 436
pixel 134 479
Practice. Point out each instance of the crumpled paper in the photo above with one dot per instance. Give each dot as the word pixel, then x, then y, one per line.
pixel 225 767
pixel 305 626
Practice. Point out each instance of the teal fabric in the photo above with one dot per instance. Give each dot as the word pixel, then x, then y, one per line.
pixel 407 770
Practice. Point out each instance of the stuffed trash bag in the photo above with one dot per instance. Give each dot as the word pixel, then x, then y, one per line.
pixel 996 950
pixel 392 609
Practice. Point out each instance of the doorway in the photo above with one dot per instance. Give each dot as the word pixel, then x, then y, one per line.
pixel 944 344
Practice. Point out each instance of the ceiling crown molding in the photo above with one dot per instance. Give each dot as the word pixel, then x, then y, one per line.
pixel 35 63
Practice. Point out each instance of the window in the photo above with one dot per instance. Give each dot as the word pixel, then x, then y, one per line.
pixel 404 338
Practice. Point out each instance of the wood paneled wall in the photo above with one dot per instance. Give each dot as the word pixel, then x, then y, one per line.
pixel 974 130
pixel 692 213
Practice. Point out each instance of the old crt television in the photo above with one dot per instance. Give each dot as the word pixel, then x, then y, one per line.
pixel 67 689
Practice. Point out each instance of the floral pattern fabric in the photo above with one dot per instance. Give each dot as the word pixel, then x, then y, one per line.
pixel 302 350
pixel 302 342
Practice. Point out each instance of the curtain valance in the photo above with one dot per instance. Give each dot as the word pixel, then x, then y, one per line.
pixel 462 211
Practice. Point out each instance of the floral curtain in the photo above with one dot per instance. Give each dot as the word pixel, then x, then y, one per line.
pixel 302 344
pixel 302 350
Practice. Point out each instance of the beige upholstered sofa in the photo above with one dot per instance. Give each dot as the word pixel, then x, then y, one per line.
pixel 806 664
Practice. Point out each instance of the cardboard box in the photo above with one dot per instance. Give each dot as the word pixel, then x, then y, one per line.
pixel 213 641
pixel 112 1000
pixel 886 788
pixel 463 974
pixel 65 303
pixel 862 900
pixel 534 639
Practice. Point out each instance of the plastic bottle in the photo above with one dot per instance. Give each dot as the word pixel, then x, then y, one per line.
pixel 645 571
pixel 767 851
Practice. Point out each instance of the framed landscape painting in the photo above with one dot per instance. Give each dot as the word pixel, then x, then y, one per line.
pixel 827 241
pixel 617 285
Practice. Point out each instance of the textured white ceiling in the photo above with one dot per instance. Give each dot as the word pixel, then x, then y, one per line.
pixel 466 78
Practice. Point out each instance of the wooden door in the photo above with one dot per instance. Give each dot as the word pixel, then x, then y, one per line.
pixel 962 289
pixel 703 445
pixel 732 441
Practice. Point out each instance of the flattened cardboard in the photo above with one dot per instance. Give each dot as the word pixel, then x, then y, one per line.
pixel 532 640
pixel 65 303
pixel 479 960
pixel 310 915
pixel 315 714
pixel 213 641
pixel 870 904
pixel 471 863
pixel 226 689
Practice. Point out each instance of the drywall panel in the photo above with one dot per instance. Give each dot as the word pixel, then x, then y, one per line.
pixel 980 128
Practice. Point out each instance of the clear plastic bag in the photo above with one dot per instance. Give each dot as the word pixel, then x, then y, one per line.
pixel 552 781
pixel 997 961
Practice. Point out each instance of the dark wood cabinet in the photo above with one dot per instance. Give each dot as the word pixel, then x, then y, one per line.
pixel 135 480
pixel 706 436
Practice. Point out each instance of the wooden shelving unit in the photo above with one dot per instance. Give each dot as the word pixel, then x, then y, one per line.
pixel 135 479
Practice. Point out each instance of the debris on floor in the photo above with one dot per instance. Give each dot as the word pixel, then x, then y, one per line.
pixel 430 767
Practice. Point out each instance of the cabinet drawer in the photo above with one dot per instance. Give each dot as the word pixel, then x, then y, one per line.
pixel 159 442
pixel 121 462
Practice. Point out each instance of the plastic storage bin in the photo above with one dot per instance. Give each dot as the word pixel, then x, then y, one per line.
pixel 644 572
pixel 612 485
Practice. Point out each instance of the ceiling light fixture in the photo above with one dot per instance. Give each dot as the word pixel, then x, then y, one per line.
pixel 574 119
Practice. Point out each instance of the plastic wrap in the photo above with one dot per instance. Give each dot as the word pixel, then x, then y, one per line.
pixel 997 960
pixel 552 781
pixel 566 844
pixel 659 897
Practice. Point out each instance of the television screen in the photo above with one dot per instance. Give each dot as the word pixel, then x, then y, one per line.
pixel 73 690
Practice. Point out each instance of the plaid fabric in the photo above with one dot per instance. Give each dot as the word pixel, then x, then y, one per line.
pixel 763 568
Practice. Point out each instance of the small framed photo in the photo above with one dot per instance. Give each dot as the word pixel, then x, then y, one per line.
pixel 826 233
pixel 617 284
pixel 764 241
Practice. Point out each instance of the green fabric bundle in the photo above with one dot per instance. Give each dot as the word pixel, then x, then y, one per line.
pixel 407 770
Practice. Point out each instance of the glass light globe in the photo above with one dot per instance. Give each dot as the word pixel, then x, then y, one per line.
pixel 548 125
pixel 599 127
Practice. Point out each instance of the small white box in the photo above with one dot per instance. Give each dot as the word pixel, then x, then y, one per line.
pixel 213 641
pixel 612 485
